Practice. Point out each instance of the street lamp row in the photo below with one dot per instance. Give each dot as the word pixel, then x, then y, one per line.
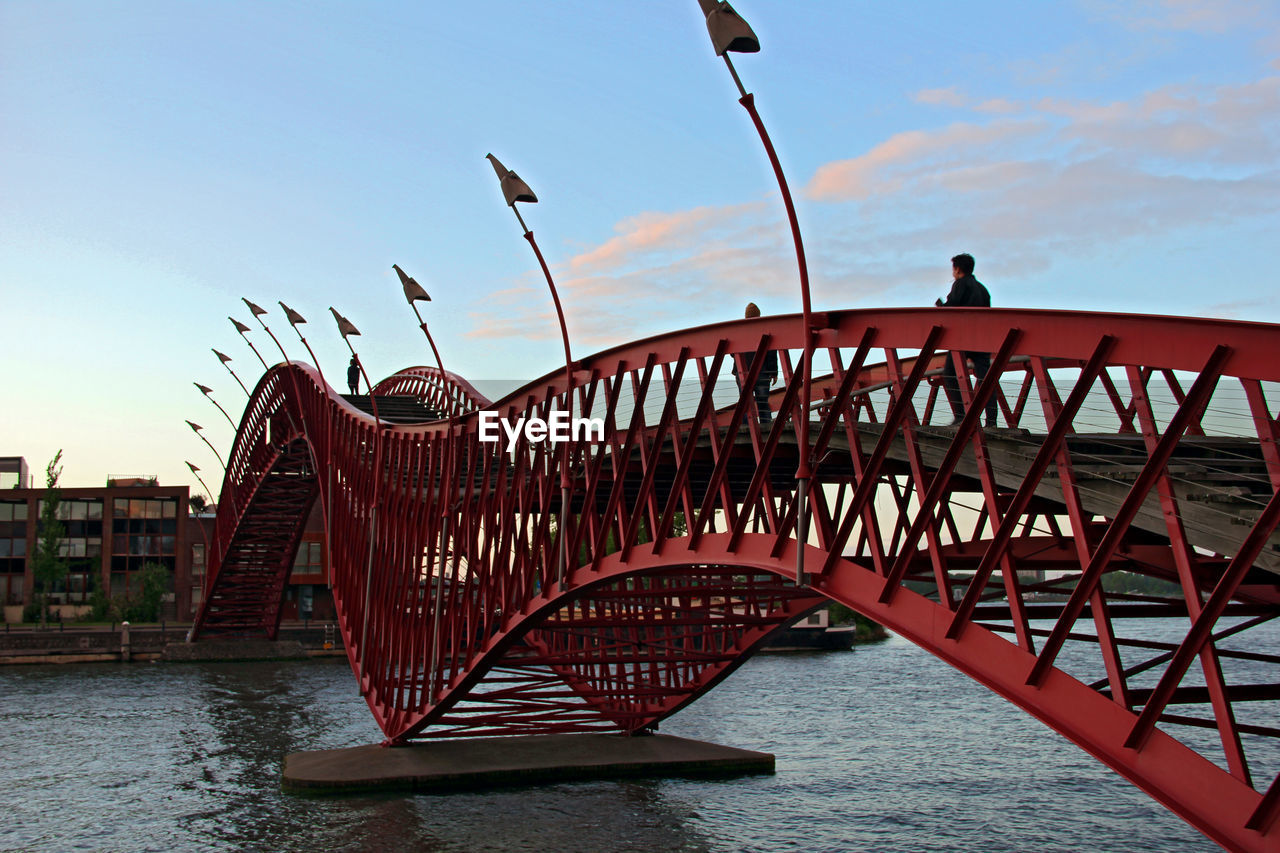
pixel 729 33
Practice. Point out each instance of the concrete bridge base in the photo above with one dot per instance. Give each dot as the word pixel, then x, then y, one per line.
pixel 465 763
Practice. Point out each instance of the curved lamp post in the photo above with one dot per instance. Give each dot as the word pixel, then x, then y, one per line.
pixel 195 427
pixel 346 328
pixel 259 312
pixel 414 293
pixel 731 34
pixel 195 470
pixel 296 320
pixel 204 583
pixel 226 362
pixel 208 392
pixel 242 328
pixel 514 189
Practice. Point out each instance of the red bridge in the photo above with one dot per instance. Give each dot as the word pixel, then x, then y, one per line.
pixel 476 597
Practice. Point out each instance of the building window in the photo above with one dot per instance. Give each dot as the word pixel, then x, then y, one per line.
pixel 143 530
pixel 80 546
pixel 13 550
pixel 10 589
pixel 308 561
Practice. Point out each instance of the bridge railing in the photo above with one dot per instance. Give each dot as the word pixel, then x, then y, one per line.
pixel 446 392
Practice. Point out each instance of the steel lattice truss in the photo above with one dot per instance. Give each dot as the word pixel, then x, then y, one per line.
pixel 1126 444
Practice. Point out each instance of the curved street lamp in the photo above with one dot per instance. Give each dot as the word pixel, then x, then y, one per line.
pixel 346 328
pixel 731 34
pixel 296 320
pixel 242 328
pixel 413 293
pixel 258 313
pixel 514 189
pixel 195 470
pixel 195 427
pixel 204 534
pixel 208 392
pixel 226 362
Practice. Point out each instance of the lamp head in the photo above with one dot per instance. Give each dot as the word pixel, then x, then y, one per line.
pixel 413 291
pixel 204 389
pixel 257 310
pixel 294 317
pixel 345 326
pixel 195 427
pixel 240 327
pixel 223 357
pixel 514 189
pixel 193 468
pixel 729 32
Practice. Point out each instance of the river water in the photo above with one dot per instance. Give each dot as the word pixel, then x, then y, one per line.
pixel 882 749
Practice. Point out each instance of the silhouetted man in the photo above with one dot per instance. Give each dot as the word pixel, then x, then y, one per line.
pixel 966 292
pixel 353 376
pixel 768 373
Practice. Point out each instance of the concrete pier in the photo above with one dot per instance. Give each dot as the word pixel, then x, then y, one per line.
pixel 467 763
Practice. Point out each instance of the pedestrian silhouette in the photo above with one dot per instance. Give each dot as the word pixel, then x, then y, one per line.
pixel 767 377
pixel 353 376
pixel 966 292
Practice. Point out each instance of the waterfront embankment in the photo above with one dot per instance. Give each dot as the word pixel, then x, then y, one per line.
pixel 66 643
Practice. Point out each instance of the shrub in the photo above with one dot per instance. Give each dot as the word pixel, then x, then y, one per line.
pixel 101 607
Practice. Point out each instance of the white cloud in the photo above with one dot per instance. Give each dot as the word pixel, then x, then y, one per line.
pixel 948 97
pixel 997 105
pixel 1198 16
pixel 1058 178
pixel 891 164
pixel 653 232
pixel 1023 185
pixel 696 264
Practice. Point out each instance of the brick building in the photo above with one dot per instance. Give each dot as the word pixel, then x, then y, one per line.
pixel 113 531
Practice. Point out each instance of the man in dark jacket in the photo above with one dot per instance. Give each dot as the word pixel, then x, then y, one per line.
pixel 353 376
pixel 966 292
pixel 768 373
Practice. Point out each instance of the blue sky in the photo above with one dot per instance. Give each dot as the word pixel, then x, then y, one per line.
pixel 160 160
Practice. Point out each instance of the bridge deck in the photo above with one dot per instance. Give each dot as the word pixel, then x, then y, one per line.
pixel 1220 483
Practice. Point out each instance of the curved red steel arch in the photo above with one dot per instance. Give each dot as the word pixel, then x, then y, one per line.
pixel 1136 450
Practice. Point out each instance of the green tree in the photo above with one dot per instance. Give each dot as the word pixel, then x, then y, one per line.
pixel 48 566
pixel 1135 584
pixel 153 583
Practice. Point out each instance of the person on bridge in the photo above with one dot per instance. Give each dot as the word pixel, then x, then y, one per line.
pixel 768 372
pixel 353 376
pixel 966 292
